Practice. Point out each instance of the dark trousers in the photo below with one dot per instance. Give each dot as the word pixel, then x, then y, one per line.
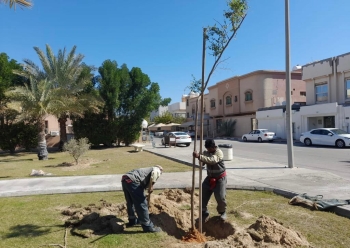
pixel 136 201
pixel 219 193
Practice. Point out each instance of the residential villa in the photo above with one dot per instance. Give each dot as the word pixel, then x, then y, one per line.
pixel 327 99
pixel 238 98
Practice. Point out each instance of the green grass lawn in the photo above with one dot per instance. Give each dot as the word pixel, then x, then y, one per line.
pixel 116 160
pixel 35 221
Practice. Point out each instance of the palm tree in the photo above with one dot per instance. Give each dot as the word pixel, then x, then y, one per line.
pixel 13 3
pixel 37 101
pixel 69 77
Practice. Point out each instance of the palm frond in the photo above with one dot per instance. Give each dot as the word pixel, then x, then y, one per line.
pixel 13 3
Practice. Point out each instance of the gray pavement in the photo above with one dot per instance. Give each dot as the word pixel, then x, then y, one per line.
pixel 248 174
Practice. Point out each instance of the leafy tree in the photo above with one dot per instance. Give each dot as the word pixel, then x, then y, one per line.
pixel 7 79
pixel 109 87
pixel 13 3
pixel 96 128
pixel 195 86
pixel 70 78
pixel 219 37
pixel 138 97
pixel 165 102
pixel 15 133
pixel 77 148
pixel 178 119
pixel 165 117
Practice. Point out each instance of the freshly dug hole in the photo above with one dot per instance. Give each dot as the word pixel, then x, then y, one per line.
pixel 170 210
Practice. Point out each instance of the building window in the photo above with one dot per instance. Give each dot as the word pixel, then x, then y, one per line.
pixel 228 100
pixel 220 102
pixel 248 96
pixel 212 103
pixel 187 103
pixel 193 110
pixel 188 115
pixel 347 88
pixel 236 99
pixel 321 92
pixel 302 93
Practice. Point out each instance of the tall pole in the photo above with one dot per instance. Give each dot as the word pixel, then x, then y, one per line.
pixel 201 140
pixel 288 92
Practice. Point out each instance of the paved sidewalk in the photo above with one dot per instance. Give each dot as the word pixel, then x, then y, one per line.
pixel 242 173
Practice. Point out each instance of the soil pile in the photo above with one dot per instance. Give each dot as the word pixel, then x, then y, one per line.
pixel 170 210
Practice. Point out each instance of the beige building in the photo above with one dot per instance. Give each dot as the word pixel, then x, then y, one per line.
pixel 238 98
pixel 328 80
pixel 191 103
pixel 52 130
pixel 327 98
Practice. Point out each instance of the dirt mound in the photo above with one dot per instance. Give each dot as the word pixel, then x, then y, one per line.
pixel 171 210
pixel 95 219
pixel 269 230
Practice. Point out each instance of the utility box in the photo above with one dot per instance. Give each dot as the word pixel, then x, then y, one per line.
pixel 227 150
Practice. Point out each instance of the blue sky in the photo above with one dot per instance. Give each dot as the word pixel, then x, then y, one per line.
pixel 164 38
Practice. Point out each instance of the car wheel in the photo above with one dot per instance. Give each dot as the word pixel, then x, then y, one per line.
pixel 340 143
pixel 244 139
pixel 187 144
pixel 259 140
pixel 307 142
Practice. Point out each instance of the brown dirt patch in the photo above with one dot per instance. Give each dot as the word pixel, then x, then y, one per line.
pixel 170 210
pixel 83 164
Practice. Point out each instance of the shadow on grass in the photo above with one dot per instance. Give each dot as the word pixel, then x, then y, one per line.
pixel 64 164
pixel 28 230
pixel 16 160
pixel 133 151
pixel 5 177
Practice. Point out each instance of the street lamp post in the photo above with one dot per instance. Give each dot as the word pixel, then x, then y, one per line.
pixel 288 92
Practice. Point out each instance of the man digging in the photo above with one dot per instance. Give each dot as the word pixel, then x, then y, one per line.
pixel 134 184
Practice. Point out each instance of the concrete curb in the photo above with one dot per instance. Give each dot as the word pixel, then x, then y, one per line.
pixel 339 210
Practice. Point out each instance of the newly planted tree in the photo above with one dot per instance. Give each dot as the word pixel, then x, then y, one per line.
pixel 218 37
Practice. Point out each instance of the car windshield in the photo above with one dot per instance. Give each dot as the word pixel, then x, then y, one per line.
pixel 180 133
pixel 264 130
pixel 339 131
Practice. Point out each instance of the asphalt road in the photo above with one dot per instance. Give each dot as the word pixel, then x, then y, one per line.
pixel 321 158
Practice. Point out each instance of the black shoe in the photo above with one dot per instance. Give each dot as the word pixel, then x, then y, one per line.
pixel 223 216
pixel 132 223
pixel 151 228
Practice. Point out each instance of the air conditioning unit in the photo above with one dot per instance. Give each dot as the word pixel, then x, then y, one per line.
pixel 54 133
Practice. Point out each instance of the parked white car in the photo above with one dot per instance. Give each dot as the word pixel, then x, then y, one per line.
pixel 259 135
pixel 326 136
pixel 181 138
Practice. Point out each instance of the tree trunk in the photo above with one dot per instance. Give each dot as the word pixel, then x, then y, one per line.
pixel 42 148
pixel 63 132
